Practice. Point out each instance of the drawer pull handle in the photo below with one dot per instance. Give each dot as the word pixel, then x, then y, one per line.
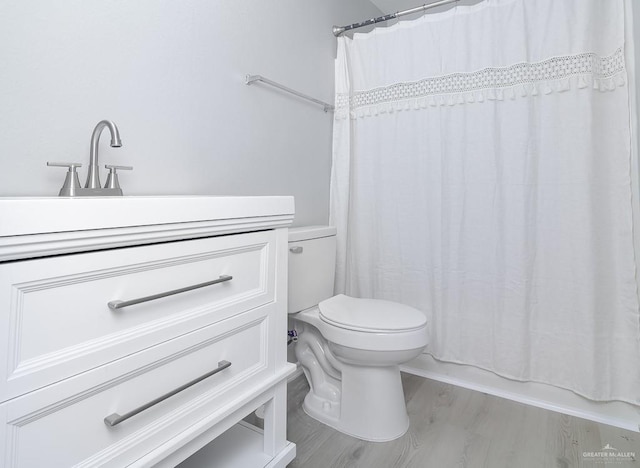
pixel 115 305
pixel 115 419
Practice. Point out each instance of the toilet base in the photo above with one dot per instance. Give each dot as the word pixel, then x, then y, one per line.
pixel 371 406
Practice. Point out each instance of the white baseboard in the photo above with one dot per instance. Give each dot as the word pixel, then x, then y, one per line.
pixel 616 413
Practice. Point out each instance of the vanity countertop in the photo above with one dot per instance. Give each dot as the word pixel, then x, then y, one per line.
pixel 39 215
pixel 38 226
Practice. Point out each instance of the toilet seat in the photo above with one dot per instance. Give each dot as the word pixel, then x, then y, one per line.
pixel 365 340
pixel 370 315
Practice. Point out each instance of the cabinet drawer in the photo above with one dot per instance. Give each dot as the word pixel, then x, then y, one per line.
pixel 59 323
pixel 54 428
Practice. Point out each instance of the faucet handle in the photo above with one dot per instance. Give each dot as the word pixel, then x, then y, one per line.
pixel 112 178
pixel 71 166
pixel 123 168
pixel 71 182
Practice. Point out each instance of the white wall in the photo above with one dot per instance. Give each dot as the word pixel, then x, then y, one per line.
pixel 171 75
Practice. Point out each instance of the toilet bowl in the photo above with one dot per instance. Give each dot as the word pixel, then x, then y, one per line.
pixel 350 349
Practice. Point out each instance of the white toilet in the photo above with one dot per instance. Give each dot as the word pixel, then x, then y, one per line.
pixel 349 348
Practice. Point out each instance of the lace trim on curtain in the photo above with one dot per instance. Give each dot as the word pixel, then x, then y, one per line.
pixel 557 74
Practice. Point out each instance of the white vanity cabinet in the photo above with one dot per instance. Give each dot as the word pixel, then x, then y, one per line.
pixel 145 343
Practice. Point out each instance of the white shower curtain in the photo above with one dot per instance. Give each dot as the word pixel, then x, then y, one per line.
pixel 482 173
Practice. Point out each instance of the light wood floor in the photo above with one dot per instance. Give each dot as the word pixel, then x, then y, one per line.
pixel 456 427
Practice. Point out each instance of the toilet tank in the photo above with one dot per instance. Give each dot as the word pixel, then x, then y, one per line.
pixel 312 264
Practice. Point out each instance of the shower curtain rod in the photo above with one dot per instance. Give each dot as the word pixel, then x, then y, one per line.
pixel 337 30
pixel 252 78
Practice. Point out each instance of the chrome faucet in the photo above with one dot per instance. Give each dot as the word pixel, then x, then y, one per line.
pixel 93 176
pixel 72 187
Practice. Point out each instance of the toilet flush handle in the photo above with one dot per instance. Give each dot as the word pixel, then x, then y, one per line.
pixel 297 249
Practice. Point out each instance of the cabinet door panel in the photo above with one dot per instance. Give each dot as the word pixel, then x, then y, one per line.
pixel 45 429
pixel 59 323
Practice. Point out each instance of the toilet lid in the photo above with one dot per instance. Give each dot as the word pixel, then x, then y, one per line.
pixel 370 315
